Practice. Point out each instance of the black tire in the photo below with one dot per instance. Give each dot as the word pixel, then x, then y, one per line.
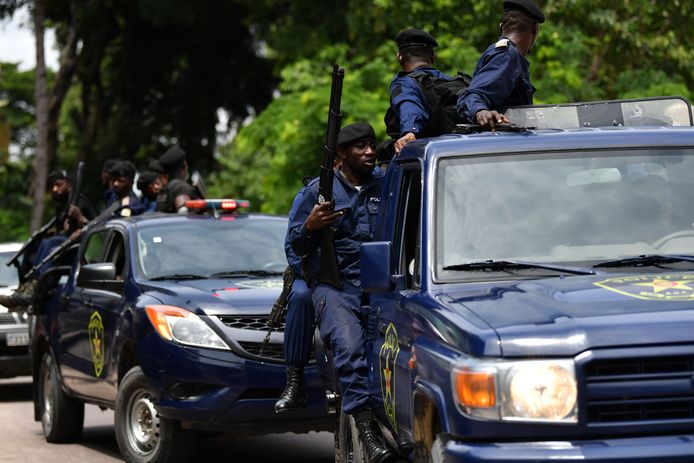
pixel 142 435
pixel 62 417
pixel 348 448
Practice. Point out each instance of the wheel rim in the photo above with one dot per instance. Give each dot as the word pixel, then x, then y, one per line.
pixel 47 417
pixel 142 423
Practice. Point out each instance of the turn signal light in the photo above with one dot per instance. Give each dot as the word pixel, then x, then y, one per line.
pixel 157 316
pixel 475 389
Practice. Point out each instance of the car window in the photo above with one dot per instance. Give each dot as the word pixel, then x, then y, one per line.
pixel 116 254
pixel 204 247
pixel 94 249
pixel 8 275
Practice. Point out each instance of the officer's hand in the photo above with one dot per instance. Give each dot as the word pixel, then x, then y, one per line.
pixel 321 216
pixel 490 119
pixel 402 141
pixel 76 215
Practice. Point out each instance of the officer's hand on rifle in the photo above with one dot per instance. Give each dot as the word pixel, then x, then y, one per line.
pixel 76 215
pixel 490 119
pixel 404 140
pixel 321 216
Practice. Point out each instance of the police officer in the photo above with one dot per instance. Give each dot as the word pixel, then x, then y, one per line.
pixel 149 184
pixel 123 177
pixel 357 194
pixel 298 327
pixel 407 102
pixel 177 191
pixel 502 76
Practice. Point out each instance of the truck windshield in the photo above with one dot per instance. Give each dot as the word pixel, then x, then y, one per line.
pixel 564 207
pixel 204 248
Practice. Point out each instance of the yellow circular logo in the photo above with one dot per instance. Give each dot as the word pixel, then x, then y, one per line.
pixel 674 287
pixel 96 342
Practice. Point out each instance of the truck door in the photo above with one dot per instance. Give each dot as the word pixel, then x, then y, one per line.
pixel 102 310
pixel 73 322
pixel 390 322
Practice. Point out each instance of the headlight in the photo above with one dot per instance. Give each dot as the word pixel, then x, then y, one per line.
pixel 180 325
pixel 535 390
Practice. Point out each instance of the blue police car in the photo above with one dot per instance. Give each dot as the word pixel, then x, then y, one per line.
pixel 161 318
pixel 531 293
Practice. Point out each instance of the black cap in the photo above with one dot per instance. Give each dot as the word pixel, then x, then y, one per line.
pixel 354 132
pixel 146 178
pixel 415 38
pixel 173 157
pixel 55 176
pixel 527 6
pixel 123 169
pixel 155 166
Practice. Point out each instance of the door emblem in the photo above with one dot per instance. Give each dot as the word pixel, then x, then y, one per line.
pixel 96 342
pixel 386 360
pixel 661 287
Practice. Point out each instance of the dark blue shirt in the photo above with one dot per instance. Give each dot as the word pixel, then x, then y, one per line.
pixel 136 207
pixel 408 102
pixel 149 205
pixel 501 80
pixel 357 225
pixel 292 258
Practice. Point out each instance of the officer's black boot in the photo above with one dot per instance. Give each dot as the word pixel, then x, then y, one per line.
pixel 371 438
pixel 293 395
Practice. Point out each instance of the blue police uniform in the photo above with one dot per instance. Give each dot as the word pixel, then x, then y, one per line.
pixel 408 102
pixel 338 311
pixel 298 329
pixel 501 80
pixel 149 205
pixel 136 207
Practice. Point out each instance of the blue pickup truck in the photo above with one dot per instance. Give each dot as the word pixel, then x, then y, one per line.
pixel 161 318
pixel 531 293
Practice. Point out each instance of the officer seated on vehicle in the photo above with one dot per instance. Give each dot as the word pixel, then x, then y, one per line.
pixel 173 196
pixel 123 177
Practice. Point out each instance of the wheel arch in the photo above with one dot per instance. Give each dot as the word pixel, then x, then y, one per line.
pixel 428 421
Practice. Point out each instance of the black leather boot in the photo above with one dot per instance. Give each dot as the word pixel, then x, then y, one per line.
pixel 371 438
pixel 293 395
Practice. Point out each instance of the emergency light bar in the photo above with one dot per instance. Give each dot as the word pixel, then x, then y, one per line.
pixel 219 205
pixel 673 111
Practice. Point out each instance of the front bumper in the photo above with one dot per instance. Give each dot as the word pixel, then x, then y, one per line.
pixel 660 449
pixel 15 365
pixel 230 393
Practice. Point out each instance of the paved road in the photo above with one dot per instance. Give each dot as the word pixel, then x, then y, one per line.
pixel 21 438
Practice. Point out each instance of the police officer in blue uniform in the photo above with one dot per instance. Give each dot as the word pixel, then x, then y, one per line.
pixel 298 327
pixel 357 194
pixel 502 75
pixel 415 54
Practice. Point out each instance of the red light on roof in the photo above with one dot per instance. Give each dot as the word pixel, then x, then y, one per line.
pixel 196 204
pixel 229 205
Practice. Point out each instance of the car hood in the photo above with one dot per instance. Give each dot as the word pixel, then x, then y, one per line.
pixel 218 296
pixel 565 316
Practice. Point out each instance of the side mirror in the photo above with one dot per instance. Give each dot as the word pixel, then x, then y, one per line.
pixel 376 266
pixel 99 276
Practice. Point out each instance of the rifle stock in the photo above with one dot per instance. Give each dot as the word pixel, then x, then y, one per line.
pixel 329 270
pixel 37 235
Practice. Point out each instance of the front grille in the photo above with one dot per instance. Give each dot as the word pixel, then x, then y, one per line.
pixel 640 389
pixel 250 322
pixel 271 351
pixel 7 318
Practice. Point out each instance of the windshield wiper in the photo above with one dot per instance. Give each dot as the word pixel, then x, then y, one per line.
pixel 500 265
pixel 179 276
pixel 645 260
pixel 240 273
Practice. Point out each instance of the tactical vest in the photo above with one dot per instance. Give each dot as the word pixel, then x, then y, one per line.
pixel 441 97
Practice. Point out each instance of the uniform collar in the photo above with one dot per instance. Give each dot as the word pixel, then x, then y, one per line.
pixel 374 177
pixel 420 68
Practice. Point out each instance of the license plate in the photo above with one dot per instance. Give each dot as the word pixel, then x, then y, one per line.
pixel 17 339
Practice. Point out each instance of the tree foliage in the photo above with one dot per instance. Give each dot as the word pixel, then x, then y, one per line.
pixel 587 50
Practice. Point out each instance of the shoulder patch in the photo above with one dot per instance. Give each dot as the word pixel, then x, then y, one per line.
pixel 501 43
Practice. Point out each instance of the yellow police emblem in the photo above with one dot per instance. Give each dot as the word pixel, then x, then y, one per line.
pixel 671 287
pixel 386 360
pixel 96 342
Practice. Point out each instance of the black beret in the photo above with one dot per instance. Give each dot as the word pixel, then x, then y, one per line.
pixel 146 178
pixel 354 132
pixel 155 166
pixel 56 175
pixel 123 169
pixel 415 38
pixel 528 6
pixel 173 157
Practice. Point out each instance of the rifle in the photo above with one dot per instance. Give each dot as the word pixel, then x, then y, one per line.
pixel 329 271
pixel 200 186
pixel 60 250
pixel 279 308
pixel 39 234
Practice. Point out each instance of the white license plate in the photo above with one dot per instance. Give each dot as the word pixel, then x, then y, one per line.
pixel 17 339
